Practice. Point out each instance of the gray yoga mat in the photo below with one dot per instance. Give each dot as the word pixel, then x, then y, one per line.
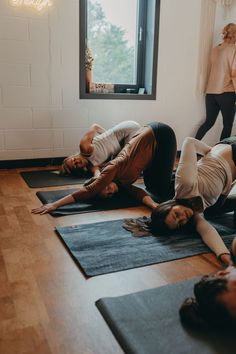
pixel 39 179
pixel 120 200
pixel 148 322
pixel 106 247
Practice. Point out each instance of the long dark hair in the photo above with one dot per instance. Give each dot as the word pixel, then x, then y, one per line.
pixel 206 310
pixel 155 224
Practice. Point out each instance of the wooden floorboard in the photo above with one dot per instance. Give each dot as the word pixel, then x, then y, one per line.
pixel 46 304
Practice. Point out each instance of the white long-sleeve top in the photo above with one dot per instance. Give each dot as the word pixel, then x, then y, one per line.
pixel 110 142
pixel 208 178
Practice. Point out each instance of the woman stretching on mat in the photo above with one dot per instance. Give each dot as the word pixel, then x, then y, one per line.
pixel 214 304
pixel 98 146
pixel 151 150
pixel 198 185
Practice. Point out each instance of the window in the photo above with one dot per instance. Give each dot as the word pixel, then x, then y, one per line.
pixel 118 48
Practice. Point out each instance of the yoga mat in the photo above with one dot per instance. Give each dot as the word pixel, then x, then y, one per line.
pixel 106 247
pixel 39 179
pixel 148 322
pixel 120 200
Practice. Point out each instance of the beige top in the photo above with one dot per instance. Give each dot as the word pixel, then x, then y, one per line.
pixel 213 179
pixel 207 178
pixel 222 61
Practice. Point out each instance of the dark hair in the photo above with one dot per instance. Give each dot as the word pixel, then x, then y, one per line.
pixel 205 309
pixel 159 215
pixel 156 223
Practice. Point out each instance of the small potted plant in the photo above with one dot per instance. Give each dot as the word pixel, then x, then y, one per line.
pixel 88 67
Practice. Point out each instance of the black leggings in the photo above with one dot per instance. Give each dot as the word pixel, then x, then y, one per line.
pixel 224 102
pixel 158 175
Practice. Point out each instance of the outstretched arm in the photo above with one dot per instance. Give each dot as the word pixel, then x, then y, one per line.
pixel 212 239
pixel 84 193
pixel 46 208
pixel 86 146
pixel 186 174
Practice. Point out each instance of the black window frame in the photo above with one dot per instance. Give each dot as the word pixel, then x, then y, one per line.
pixel 146 76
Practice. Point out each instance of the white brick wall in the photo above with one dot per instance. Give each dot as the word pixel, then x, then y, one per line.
pixel 41 114
pixel 15 118
pixel 14 28
pixel 42 118
pixel 71 138
pixel 58 141
pixel 1 140
pixel 14 74
pixel 28 139
pixel 25 85
pixel 39 30
pixel 16 96
pixel 15 51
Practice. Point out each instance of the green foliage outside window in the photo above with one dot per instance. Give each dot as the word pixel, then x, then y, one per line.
pixel 113 57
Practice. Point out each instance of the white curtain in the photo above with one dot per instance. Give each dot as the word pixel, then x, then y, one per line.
pixel 226 2
pixel 207 22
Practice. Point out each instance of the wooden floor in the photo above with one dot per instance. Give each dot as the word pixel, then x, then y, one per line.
pixel 46 304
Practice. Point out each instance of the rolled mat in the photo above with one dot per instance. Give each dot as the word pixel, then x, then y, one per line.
pixel 106 247
pixel 148 322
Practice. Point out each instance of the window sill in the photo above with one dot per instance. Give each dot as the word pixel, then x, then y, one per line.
pixel 117 96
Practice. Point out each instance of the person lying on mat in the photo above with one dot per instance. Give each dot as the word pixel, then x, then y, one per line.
pixel 98 146
pixel 214 304
pixel 151 150
pixel 198 185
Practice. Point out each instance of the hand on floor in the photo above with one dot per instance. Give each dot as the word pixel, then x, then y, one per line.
pixel 44 209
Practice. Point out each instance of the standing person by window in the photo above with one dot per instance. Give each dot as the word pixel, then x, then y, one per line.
pixel 221 86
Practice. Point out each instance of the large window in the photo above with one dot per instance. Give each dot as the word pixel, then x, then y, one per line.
pixel 118 48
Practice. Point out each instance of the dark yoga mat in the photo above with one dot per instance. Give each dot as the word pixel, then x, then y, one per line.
pixel 148 322
pixel 39 179
pixel 120 200
pixel 106 247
